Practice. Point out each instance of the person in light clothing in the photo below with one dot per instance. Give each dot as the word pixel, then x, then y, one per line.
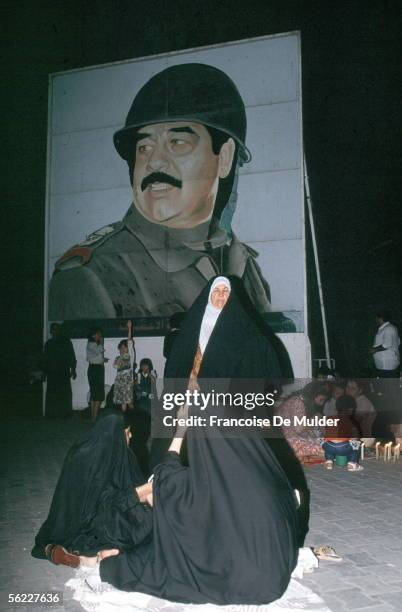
pixel 365 413
pixel 385 350
pixel 123 384
pixel 96 369
pixel 337 390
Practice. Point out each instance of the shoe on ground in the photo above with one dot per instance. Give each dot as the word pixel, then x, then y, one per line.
pixel 354 467
pixel 326 553
pixel 60 556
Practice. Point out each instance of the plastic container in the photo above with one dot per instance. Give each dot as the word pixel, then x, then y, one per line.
pixel 341 460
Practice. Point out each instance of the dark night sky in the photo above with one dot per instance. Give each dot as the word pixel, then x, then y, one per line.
pixel 350 64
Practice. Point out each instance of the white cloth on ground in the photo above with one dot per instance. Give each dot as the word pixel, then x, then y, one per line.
pixel 96 596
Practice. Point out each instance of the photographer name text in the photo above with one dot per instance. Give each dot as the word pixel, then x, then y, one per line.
pixel 251 421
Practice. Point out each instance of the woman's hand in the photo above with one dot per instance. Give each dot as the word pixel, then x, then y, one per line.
pixel 130 331
pixel 144 491
pixel 193 383
pixel 177 441
pixel 182 413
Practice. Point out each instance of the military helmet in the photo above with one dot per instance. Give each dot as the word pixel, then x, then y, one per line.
pixel 187 92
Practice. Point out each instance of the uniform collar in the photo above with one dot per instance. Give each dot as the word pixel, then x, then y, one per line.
pixel 174 249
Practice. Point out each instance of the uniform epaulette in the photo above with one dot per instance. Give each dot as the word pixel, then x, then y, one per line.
pixel 244 248
pixel 81 253
pixel 254 254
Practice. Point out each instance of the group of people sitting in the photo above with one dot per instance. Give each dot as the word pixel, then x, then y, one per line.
pixel 339 399
pixel 219 520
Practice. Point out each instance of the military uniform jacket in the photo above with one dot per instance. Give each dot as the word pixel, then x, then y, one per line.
pixel 135 268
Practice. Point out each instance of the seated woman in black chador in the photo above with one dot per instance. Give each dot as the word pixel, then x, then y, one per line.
pixel 97 504
pixel 225 527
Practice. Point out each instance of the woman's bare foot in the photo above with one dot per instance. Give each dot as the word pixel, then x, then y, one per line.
pixel 103 554
pixel 88 561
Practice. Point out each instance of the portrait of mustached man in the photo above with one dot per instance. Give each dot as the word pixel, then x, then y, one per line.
pixel 184 140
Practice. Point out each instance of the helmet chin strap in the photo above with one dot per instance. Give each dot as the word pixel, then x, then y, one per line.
pixel 225 221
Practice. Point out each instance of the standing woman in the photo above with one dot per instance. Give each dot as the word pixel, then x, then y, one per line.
pixel 96 369
pixel 123 384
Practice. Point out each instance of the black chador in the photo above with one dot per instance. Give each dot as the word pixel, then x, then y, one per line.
pixel 225 527
pixel 95 506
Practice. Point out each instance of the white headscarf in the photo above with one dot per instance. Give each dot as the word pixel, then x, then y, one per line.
pixel 211 314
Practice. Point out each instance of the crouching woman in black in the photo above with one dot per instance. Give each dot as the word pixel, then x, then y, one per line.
pixel 100 499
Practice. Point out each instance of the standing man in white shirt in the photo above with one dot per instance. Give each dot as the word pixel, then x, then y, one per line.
pixel 387 362
pixel 385 350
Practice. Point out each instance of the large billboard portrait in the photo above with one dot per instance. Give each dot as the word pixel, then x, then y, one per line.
pixel 168 170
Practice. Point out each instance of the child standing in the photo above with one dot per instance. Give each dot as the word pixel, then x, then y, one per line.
pixel 123 384
pixel 145 388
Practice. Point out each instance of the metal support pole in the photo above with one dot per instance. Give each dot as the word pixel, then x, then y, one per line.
pixel 317 265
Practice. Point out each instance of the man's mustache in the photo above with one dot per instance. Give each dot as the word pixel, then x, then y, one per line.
pixel 160 177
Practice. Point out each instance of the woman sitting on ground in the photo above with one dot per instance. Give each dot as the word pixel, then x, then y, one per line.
pixel 100 498
pixel 337 390
pixel 304 440
pixel 365 413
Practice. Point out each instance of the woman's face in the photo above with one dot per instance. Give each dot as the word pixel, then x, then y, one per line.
pixel 98 337
pixel 145 368
pixel 128 434
pixel 353 389
pixel 320 400
pixel 123 349
pixel 338 392
pixel 220 295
